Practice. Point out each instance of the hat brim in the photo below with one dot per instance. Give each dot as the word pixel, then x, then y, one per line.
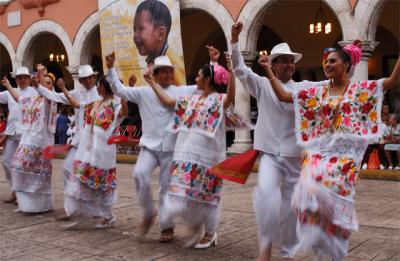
pixel 297 56
pixel 155 67
pixel 13 75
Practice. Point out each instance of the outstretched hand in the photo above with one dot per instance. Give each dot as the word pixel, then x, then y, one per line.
pixel 228 61
pixel 148 76
pixel 110 59
pixel 235 31
pixel 60 83
pixel 213 53
pixel 35 81
pixel 5 82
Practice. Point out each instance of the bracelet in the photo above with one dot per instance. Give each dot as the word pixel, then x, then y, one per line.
pixel 273 78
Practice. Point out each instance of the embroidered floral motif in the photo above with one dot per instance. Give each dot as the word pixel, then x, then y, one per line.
pixel 30 159
pixel 100 113
pixel 30 108
pixel 193 181
pixel 95 178
pixel 198 113
pixel 357 114
pixel 337 173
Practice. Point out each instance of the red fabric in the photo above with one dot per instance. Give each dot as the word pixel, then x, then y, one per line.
pixel 117 139
pixel 237 168
pixel 51 152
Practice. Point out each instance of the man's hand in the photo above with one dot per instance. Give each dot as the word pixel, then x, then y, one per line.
pixel 5 82
pixel 35 81
pixel 263 61
pixel 235 31
pixel 148 76
pixel 60 83
pixel 228 61
pixel 110 59
pixel 132 80
pixel 213 53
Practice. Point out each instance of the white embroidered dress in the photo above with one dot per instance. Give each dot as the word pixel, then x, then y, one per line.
pixel 90 190
pixel 31 175
pixel 335 132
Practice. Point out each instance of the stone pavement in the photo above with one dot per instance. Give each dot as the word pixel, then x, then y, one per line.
pixel 39 237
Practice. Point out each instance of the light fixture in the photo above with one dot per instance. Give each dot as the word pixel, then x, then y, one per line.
pixel 320 22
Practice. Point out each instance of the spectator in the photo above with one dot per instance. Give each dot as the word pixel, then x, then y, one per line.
pixel 62 126
pixel 392 140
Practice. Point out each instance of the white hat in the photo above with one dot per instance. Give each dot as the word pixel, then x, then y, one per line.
pixel 162 61
pixel 21 71
pixel 85 71
pixel 282 49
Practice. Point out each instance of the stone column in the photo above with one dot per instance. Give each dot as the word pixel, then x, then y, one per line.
pixel 242 140
pixel 361 71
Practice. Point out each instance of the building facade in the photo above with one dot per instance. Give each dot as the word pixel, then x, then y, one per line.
pixel 32 30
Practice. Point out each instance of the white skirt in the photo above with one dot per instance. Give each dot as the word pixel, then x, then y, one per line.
pixel 36 202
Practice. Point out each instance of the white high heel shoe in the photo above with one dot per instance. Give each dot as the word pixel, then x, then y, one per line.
pixel 107 224
pixel 212 242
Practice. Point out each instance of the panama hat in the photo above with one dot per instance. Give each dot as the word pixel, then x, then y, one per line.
pixel 21 71
pixel 161 62
pixel 283 49
pixel 85 71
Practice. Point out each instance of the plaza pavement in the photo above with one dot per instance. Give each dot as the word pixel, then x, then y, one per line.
pixel 39 237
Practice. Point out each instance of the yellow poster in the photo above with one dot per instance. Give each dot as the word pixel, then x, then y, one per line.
pixel 138 31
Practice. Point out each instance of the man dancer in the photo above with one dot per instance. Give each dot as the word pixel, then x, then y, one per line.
pixel 156 143
pixel 22 78
pixel 274 137
pixel 88 94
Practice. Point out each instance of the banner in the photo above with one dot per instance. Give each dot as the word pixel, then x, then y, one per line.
pixel 138 31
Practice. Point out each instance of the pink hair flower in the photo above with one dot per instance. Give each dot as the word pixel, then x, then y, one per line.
pixel 354 51
pixel 221 75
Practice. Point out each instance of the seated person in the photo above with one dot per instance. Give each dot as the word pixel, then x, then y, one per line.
pixel 392 141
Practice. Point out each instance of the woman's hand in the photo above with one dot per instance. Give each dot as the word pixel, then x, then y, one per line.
pixel 110 60
pixel 264 61
pixel 228 61
pixel 132 80
pixel 5 82
pixel 214 53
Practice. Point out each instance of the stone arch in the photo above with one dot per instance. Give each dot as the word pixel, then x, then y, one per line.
pixel 253 13
pixel 83 38
pixel 23 54
pixel 8 45
pixel 369 18
pixel 215 9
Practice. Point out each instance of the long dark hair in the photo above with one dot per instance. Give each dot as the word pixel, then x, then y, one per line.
pixel 102 80
pixel 208 72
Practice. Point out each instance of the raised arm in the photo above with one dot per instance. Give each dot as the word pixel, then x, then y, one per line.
pixel 230 92
pixel 161 94
pixel 72 100
pixel 129 94
pixel 10 89
pixel 394 78
pixel 251 81
pixel 124 109
pixel 282 95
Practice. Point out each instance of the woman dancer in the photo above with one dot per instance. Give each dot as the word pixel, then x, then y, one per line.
pixel 200 121
pixel 335 124
pixel 90 190
pixel 31 172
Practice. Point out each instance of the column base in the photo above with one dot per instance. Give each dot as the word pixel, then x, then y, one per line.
pixel 239 147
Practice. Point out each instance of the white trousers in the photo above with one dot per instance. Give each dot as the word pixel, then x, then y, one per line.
pixel 8 154
pixel 147 161
pixel 271 198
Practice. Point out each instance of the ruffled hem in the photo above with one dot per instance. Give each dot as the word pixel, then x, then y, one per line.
pixel 310 196
pixel 35 202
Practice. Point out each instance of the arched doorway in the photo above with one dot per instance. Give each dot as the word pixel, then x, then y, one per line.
pixel 5 62
pixel 91 50
pixel 47 49
pixel 208 32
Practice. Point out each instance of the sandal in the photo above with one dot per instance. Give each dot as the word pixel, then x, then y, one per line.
pixel 167 235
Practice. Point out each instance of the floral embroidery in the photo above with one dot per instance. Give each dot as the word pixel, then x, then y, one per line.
pixel 30 159
pixel 100 113
pixel 357 115
pixel 198 113
pixel 338 173
pixel 95 178
pixel 315 218
pixel 193 181
pixel 30 108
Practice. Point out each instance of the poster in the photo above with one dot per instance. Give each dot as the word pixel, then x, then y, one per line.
pixel 138 31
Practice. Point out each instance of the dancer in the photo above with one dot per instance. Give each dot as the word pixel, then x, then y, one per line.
pixel 194 193
pixel 22 78
pixel 156 143
pixel 85 95
pixel 335 123
pixel 90 189
pixel 31 171
pixel 274 137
